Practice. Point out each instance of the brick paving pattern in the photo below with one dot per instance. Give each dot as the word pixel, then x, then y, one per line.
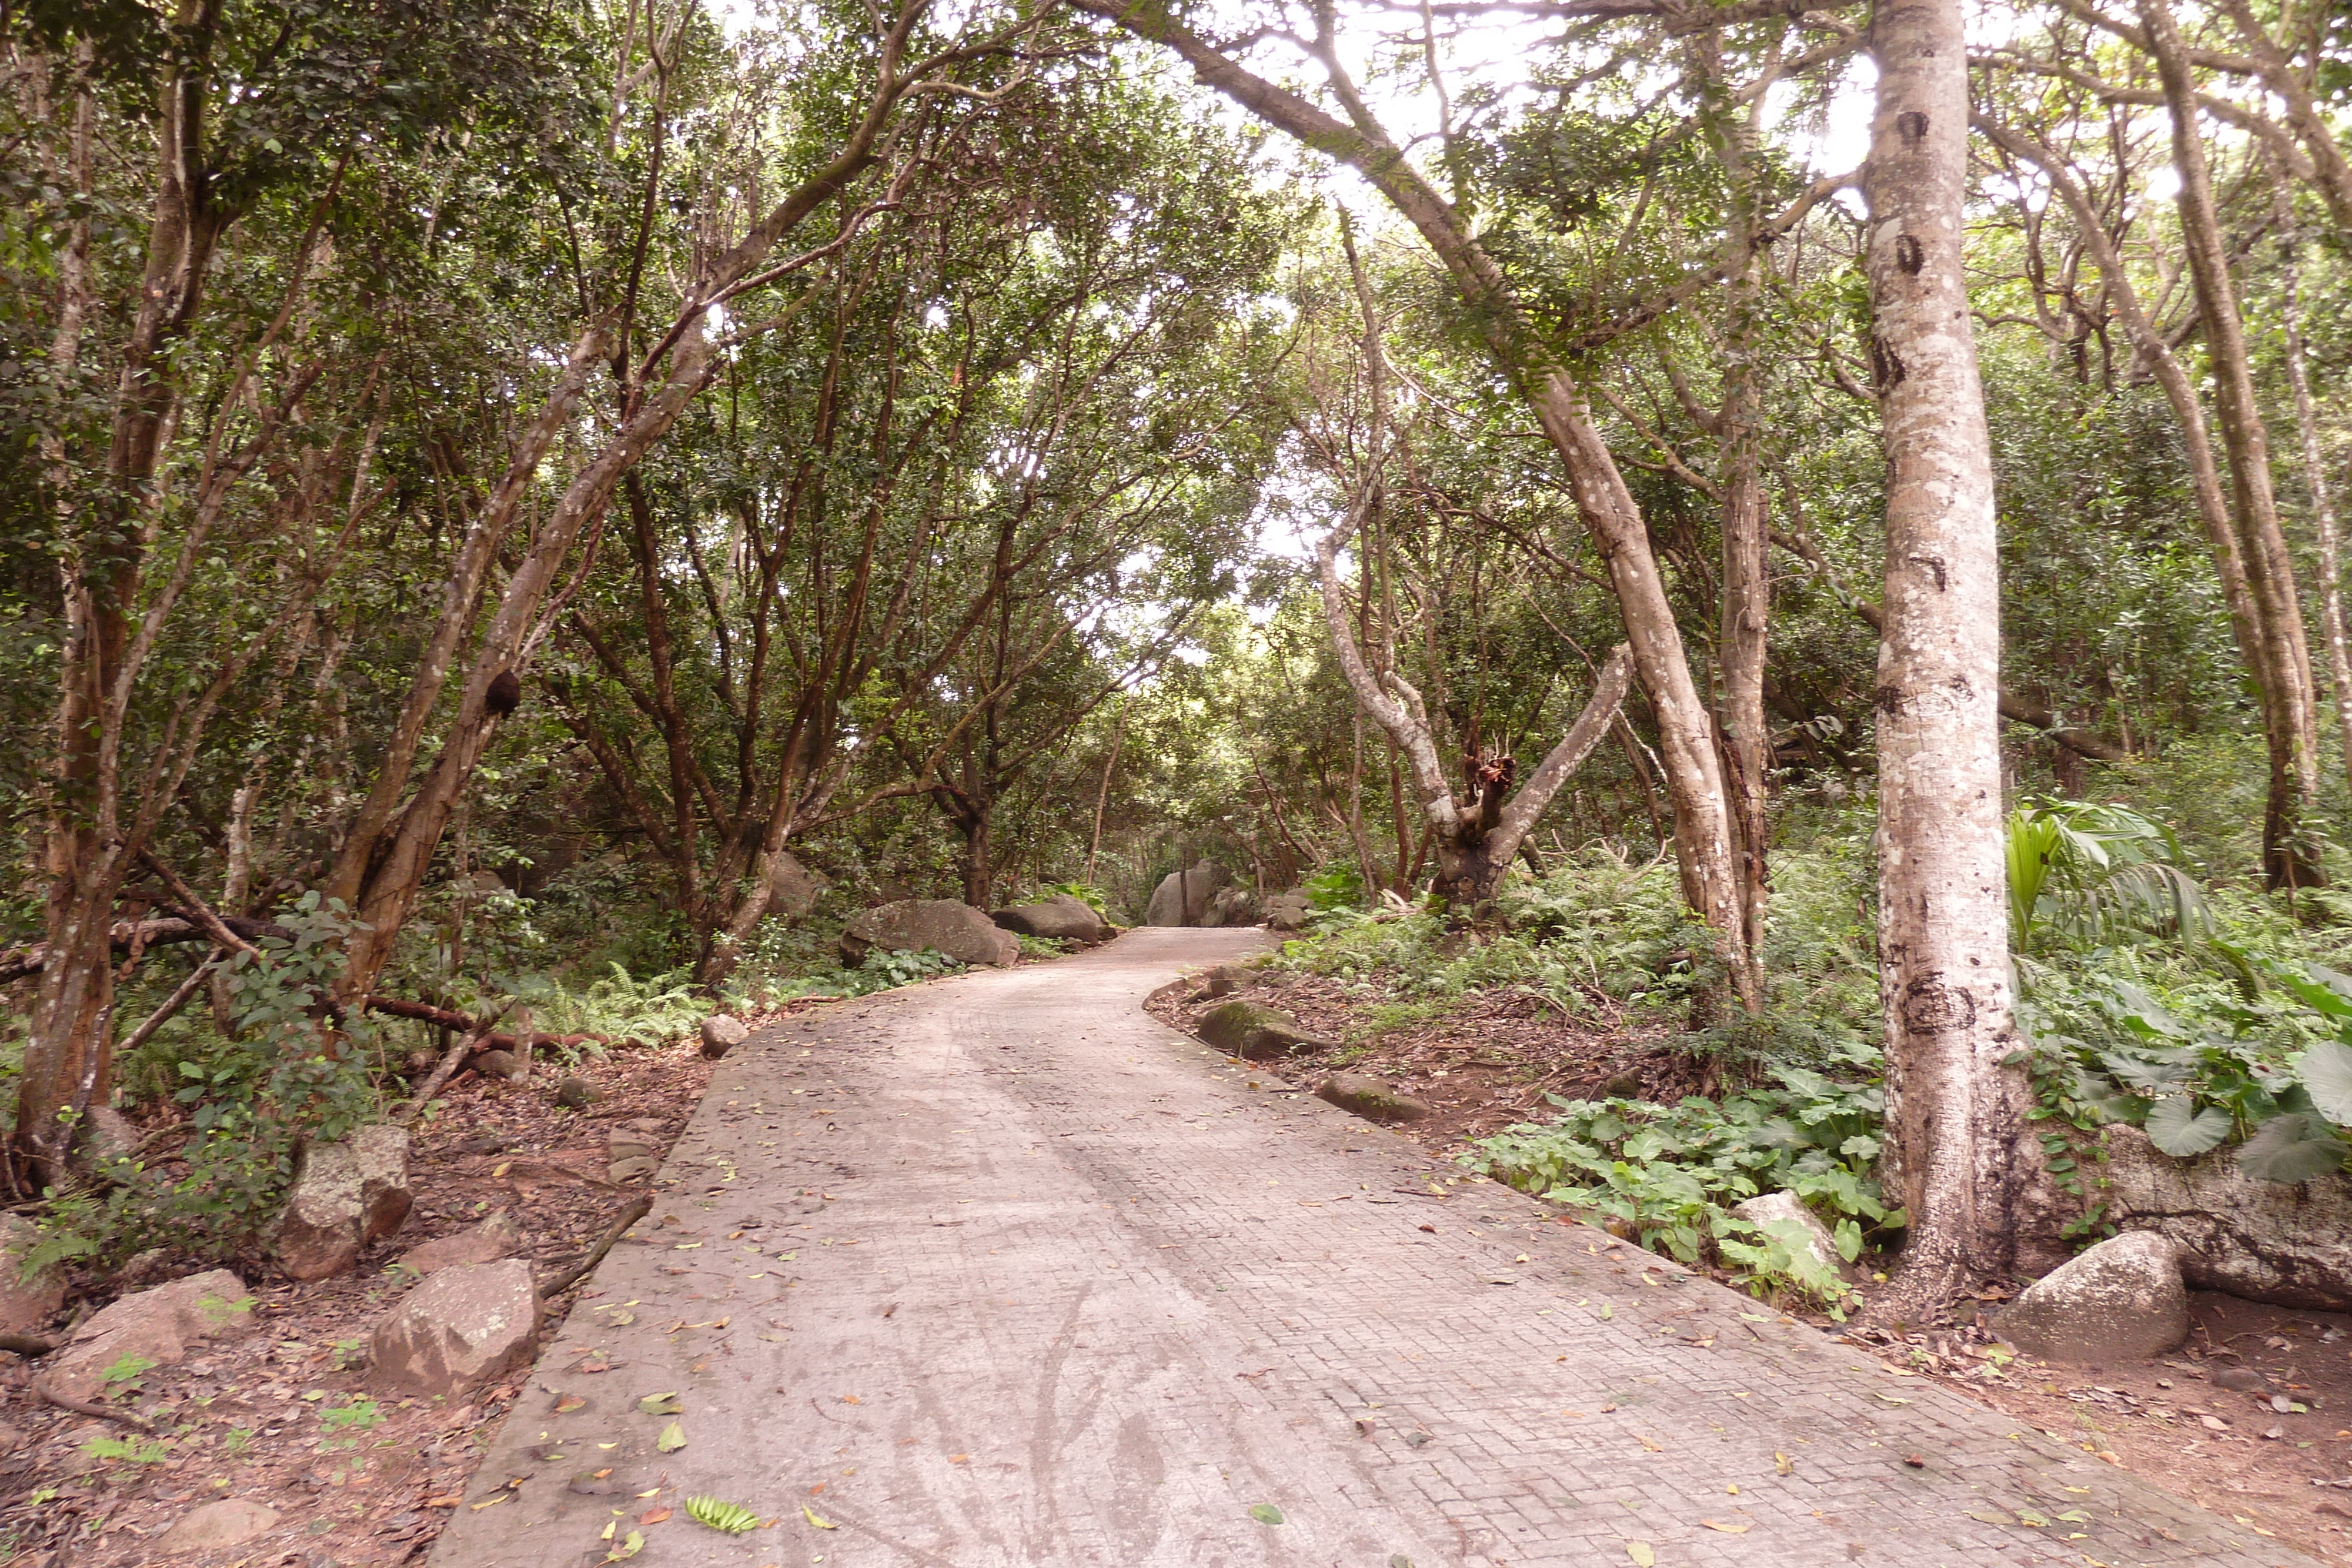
pixel 1065 1287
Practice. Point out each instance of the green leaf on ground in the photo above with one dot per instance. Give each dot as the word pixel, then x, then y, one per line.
pixel 661 1404
pixel 731 1517
pixel 672 1439
pixel 1265 1514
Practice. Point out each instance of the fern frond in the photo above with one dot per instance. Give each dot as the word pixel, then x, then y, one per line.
pixel 731 1517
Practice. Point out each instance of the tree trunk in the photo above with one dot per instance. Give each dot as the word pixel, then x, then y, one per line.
pixel 2314 477
pixel 2290 857
pixel 1961 1156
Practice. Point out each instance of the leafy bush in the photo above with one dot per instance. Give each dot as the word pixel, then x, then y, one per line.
pixel 1669 1176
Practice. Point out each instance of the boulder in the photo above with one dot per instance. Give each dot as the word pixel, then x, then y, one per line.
pixel 26 1307
pixel 461 1327
pixel 634 1151
pixel 1222 981
pixel 157 1326
pixel 1257 1034
pixel 1286 911
pixel 2121 1301
pixel 346 1195
pixel 2263 1241
pixel 1183 897
pixel 1372 1098
pixel 497 1236
pixel 911 925
pixel 499 1064
pixel 721 1034
pixel 1069 918
pixel 1773 1209
pixel 231 1522
pixel 1232 906
pixel 107 1135
pixel 577 1093
pixel 793 888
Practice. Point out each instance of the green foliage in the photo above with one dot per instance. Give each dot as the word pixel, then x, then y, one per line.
pixel 1670 1175
pixel 2089 871
pixel 1338 887
pixel 131 1450
pixel 356 1417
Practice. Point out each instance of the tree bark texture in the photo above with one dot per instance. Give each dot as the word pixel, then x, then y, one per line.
pixel 1962 1157
pixel 2315 479
pixel 2292 719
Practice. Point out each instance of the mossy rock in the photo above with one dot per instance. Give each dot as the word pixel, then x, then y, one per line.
pixel 1255 1033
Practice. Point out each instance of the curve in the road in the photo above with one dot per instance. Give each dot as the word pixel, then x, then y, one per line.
pixel 999 1271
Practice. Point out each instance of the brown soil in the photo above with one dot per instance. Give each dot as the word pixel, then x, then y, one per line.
pixel 246 1417
pixel 1487 1063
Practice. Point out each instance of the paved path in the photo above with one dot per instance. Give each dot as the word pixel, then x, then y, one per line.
pixel 1025 1277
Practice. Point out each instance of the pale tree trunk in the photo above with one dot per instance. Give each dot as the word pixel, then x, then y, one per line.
pixel 2314 477
pixel 2181 392
pixel 1744 521
pixel 1962 1158
pixel 1704 832
pixel 2290 856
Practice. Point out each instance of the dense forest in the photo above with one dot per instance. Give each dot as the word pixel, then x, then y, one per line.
pixel 1804 535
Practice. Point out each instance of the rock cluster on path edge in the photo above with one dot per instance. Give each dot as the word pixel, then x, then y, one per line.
pixel 1373 1099
pixel 460 1328
pixel 721 1034
pixel 1257 1034
pixel 1063 916
pixel 26 1306
pixel 346 1194
pixel 155 1327
pixel 2121 1301
pixel 911 925
pixel 1786 1207
pixel 633 1148
pixel 1286 911
pixel 1183 897
pixel 499 1236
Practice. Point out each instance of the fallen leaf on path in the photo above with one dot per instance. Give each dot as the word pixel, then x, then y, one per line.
pixel 1653 1447
pixel 672 1439
pixel 851 1399
pixel 653 1516
pixel 1641 1554
pixel 1782 1463
pixel 1726 1528
pixel 567 1403
pixel 450 1500
pixel 661 1404
pixel 821 1523
pixel 730 1517
pixel 1265 1514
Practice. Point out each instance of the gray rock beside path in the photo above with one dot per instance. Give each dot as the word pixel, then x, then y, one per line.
pixel 1257 1034
pixel 1232 907
pixel 911 925
pixel 1062 917
pixel 26 1306
pixel 635 1149
pixel 346 1194
pixel 231 1522
pixel 1772 1208
pixel 497 1236
pixel 1183 897
pixel 793 888
pixel 1286 911
pixel 2121 1301
pixel 1374 1099
pixel 460 1328
pixel 721 1034
pixel 2263 1241
pixel 157 1326
pixel 499 1064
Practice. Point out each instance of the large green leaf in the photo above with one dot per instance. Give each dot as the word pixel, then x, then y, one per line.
pixel 2325 1070
pixel 2175 1125
pixel 2294 1147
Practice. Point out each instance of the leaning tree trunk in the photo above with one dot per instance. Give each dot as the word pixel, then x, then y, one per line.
pixel 1962 1153
pixel 2290 858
